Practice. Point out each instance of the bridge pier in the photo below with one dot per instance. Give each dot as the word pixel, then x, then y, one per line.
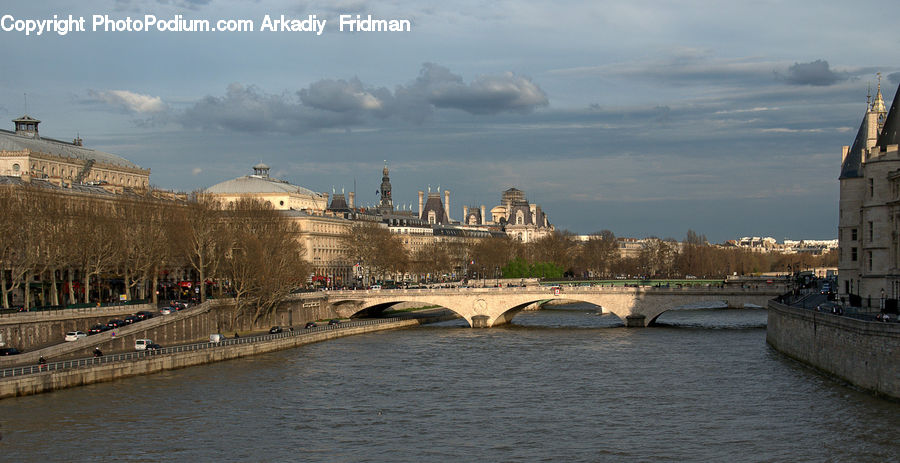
pixel 635 321
pixel 480 321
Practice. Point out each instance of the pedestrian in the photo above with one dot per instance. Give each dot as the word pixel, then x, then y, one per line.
pixel 236 335
pixel 98 352
pixel 42 361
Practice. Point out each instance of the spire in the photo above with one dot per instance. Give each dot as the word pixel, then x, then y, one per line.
pixel 878 104
pixel 890 132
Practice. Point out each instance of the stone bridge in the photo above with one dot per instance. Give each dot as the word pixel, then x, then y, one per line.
pixel 486 307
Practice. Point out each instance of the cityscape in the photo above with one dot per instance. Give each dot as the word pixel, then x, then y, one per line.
pixel 420 231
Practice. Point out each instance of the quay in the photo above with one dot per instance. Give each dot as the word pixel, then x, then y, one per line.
pixel 27 380
pixel 865 354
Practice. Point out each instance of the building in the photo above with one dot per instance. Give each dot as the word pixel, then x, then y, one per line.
pixel 519 219
pixel 321 225
pixel 279 193
pixel 869 211
pixel 26 154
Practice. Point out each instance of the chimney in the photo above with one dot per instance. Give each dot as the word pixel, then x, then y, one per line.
pixel 483 217
pixel 352 198
pixel 465 218
pixel 447 204
pixel 421 202
pixel 78 141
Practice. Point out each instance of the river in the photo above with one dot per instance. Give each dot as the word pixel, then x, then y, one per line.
pixel 560 385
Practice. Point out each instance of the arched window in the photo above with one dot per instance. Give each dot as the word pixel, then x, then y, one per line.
pixel 520 218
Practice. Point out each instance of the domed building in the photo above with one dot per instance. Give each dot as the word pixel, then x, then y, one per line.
pixel 25 154
pixel 281 194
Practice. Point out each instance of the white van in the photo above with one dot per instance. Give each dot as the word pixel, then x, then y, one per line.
pixel 141 344
pixel 216 338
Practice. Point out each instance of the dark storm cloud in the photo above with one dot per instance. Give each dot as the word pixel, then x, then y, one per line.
pixel 246 109
pixel 894 78
pixel 816 72
pixel 338 103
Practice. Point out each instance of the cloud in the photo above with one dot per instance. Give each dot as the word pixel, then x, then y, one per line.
pixel 344 104
pixel 894 78
pixel 196 171
pixel 814 73
pixel 485 95
pixel 342 96
pixel 129 101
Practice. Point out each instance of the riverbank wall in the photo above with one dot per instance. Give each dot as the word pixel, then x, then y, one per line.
pixel 865 354
pixel 102 372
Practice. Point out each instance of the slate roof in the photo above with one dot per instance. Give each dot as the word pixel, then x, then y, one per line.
pixel 890 133
pixel 850 168
pixel 257 184
pixel 10 141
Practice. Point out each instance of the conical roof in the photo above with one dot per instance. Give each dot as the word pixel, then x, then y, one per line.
pixel 890 133
pixel 850 168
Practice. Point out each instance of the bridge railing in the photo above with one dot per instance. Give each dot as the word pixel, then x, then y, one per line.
pixel 774 289
pixel 145 354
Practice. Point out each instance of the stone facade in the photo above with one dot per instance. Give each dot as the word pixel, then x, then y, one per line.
pixel 869 216
pixel 24 153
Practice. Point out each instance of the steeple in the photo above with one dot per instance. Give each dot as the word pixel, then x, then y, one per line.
pixel 387 204
pixel 878 105
pixel 890 130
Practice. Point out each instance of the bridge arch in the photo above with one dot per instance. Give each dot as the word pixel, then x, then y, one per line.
pixel 349 308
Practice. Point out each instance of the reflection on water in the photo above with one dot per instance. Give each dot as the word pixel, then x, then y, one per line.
pixel 564 384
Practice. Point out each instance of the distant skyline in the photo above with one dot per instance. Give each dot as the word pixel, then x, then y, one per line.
pixel 645 119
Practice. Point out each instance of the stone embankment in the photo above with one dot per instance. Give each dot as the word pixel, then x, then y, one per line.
pixel 59 375
pixel 865 354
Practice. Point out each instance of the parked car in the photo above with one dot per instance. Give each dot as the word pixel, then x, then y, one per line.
pixel 334 321
pixel 114 323
pixel 97 329
pixel 131 319
pixel 165 311
pixel 75 335
pixel 143 315
pixel 275 330
pixel 310 325
pixel 153 346
pixel 9 351
pixel 141 344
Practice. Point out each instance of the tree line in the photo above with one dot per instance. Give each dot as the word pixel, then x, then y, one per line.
pixel 560 255
pixel 66 248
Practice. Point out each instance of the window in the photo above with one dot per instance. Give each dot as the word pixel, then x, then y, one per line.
pixel 853 234
pixel 853 254
pixel 869 259
pixel 16 168
pixel 871 187
pixel 871 231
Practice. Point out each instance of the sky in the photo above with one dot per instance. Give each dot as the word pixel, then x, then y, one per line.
pixel 647 118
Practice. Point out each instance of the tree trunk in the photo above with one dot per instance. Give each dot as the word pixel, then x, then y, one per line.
pixel 54 288
pixel 128 284
pixel 71 282
pixel 153 293
pixel 5 292
pixel 87 287
pixel 27 290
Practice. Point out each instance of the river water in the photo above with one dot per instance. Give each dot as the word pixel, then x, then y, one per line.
pixel 559 385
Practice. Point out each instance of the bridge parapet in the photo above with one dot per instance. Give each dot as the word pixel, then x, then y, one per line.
pixel 491 306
